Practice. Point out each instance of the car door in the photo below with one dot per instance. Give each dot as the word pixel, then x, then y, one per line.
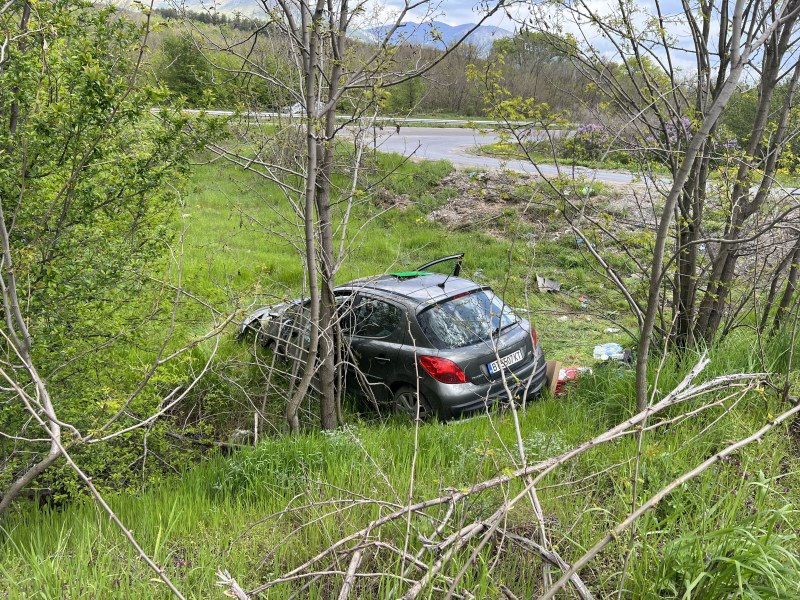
pixel 377 331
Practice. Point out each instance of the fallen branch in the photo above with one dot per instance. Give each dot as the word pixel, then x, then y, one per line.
pixel 232 589
pixel 352 545
pixel 552 557
pixel 655 499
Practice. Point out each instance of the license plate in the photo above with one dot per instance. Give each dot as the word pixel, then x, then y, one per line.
pixel 505 361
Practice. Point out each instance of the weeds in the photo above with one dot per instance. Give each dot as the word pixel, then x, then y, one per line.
pixel 741 545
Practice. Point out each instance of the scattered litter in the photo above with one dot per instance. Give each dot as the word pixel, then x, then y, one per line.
pixel 609 351
pixel 584 302
pixel 612 330
pixel 568 374
pixel 240 436
pixel 478 175
pixel 563 319
pixel 547 285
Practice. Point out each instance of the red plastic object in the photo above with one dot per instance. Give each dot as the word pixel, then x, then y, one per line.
pixel 568 374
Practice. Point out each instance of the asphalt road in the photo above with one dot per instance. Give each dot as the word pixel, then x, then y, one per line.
pixel 453 144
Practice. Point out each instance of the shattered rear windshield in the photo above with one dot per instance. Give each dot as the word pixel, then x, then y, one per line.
pixel 466 319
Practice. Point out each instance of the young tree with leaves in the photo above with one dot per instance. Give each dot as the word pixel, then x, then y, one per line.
pixel 661 113
pixel 87 204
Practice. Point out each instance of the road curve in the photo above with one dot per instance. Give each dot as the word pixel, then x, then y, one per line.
pixel 453 144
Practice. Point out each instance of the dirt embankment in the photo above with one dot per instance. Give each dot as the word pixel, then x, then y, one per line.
pixel 489 199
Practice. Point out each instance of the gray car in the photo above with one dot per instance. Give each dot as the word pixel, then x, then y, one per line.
pixel 428 343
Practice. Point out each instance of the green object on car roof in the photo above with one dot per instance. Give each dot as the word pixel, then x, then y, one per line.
pixel 409 274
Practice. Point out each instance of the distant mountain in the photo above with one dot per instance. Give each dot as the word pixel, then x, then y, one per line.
pixel 247 8
pixel 434 34
pixel 437 34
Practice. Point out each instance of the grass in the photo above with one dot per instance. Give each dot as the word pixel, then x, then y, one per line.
pixel 739 510
pixel 446 116
pixel 737 516
pixel 538 155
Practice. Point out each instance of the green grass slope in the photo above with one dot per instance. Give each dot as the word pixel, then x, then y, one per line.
pixel 265 510
pixel 262 511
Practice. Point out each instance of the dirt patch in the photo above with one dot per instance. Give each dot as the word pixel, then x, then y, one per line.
pixel 491 200
pixel 482 199
pixel 387 199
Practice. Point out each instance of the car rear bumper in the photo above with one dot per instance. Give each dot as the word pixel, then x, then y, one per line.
pixel 453 401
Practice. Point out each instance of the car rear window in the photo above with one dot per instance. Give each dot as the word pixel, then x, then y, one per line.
pixel 466 319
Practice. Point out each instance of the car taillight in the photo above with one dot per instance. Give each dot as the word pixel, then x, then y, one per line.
pixel 442 369
pixel 533 336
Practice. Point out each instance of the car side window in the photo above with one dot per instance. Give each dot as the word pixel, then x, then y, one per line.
pixel 344 309
pixel 375 318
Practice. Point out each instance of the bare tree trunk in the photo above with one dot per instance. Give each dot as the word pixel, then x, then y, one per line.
pixel 789 290
pixel 656 274
pixel 327 314
pixel 328 410
pixel 27 478
pixel 689 219
pixel 310 25
pixel 791 257
pixel 723 272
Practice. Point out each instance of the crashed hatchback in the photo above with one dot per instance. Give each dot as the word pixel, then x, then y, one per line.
pixel 428 343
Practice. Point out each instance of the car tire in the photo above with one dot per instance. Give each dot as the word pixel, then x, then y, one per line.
pixel 404 404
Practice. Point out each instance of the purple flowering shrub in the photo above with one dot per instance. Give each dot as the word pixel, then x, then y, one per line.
pixel 594 141
pixel 589 142
pixel 723 147
pixel 678 133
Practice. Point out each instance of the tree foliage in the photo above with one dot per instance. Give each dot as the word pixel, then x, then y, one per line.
pixel 89 188
pixel 183 68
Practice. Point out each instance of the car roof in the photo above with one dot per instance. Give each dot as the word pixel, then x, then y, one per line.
pixel 427 288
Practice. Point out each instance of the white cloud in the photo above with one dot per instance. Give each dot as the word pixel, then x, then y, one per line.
pixel 452 12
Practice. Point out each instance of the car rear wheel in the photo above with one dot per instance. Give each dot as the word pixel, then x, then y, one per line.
pixel 404 403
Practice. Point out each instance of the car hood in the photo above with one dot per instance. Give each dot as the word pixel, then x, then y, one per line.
pixel 265 313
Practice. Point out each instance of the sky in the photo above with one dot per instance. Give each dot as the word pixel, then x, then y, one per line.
pixel 452 12
pixel 456 12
